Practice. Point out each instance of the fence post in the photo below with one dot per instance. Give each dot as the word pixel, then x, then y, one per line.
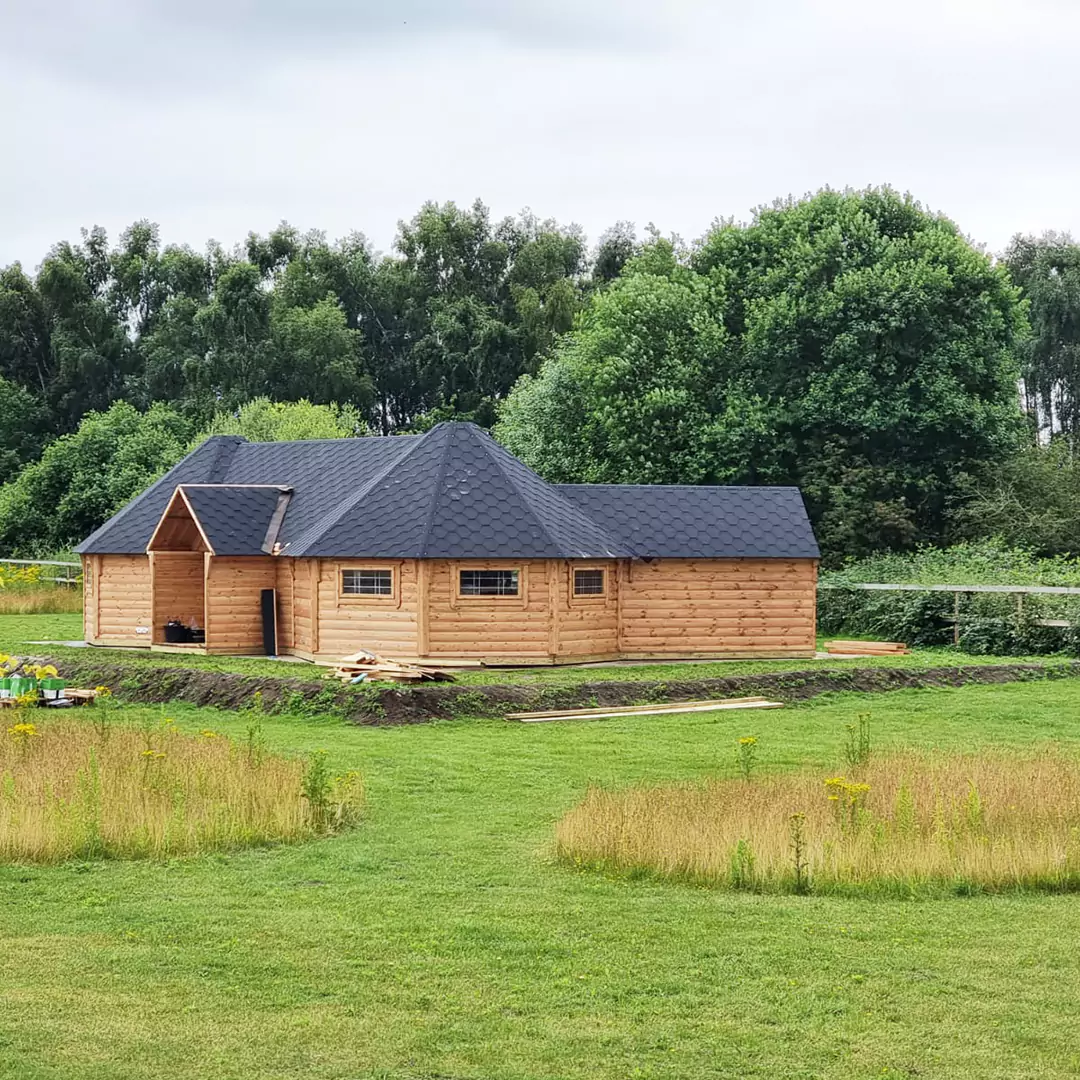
pixel 956 619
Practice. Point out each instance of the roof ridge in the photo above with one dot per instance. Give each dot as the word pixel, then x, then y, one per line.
pixel 690 487
pixel 336 439
pixel 440 477
pixel 350 504
pixel 489 444
pixel 224 451
pixel 492 448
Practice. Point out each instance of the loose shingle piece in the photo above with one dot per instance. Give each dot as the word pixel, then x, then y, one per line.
pixel 451 493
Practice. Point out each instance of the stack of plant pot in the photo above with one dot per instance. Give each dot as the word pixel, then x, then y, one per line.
pixel 41 683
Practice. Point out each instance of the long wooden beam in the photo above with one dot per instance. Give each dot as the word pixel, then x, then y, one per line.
pixel 645 710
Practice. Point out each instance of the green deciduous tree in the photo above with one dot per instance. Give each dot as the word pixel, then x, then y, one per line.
pixel 1047 271
pixel 85 477
pixel 1031 500
pixel 263 420
pixel 852 344
pixel 24 427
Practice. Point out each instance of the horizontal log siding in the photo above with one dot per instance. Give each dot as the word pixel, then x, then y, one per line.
pixel 178 590
pixel 489 626
pixel 90 571
pixel 385 625
pixel 686 607
pixel 301 575
pixel 233 611
pixel 122 603
pixel 586 625
pixel 285 613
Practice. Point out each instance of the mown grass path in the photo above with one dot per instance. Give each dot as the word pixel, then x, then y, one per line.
pixel 440 940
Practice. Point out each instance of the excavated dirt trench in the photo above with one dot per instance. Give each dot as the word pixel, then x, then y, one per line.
pixel 409 705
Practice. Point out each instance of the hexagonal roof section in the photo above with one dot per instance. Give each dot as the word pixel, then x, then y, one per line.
pixel 454 492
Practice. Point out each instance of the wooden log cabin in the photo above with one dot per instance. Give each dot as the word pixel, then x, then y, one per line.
pixel 445 546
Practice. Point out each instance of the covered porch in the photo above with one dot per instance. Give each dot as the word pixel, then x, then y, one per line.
pixel 213 570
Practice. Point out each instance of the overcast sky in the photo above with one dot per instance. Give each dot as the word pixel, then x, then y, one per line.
pixel 216 117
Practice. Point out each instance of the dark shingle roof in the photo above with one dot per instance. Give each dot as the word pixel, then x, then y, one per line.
pixel 322 473
pixel 236 520
pixel 456 493
pixel 685 522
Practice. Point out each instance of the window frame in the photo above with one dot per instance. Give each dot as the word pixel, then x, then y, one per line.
pixel 517 595
pixel 368 597
pixel 577 597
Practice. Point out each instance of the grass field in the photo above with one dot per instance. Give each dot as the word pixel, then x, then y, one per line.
pixel 17 630
pixel 441 939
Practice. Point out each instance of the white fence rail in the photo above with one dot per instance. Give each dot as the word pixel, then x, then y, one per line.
pixel 60 579
pixel 1019 591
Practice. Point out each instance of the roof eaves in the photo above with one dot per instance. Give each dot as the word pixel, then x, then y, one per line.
pixel 222 443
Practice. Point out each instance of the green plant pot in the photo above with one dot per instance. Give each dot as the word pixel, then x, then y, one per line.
pixel 5 687
pixel 51 689
pixel 21 685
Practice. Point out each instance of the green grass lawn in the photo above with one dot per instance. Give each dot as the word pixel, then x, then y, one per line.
pixel 439 940
pixel 17 630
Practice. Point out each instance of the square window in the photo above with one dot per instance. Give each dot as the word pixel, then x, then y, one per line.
pixel 488 583
pixel 367 583
pixel 588 582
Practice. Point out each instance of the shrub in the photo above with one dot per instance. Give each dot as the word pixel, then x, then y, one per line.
pixel 74 789
pixel 990 623
pixel 904 822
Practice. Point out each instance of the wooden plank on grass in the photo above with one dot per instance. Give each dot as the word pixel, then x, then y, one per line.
pixel 604 709
pixel 878 648
pixel 659 710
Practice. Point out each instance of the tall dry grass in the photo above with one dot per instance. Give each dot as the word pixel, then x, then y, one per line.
pixel 71 788
pixel 41 600
pixel 905 822
pixel 24 590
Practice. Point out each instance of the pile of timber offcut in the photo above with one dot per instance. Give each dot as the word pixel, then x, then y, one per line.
pixel 645 710
pixel 867 648
pixel 367 666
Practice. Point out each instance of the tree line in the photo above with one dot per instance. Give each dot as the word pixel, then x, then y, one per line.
pixel 448 320
pixel 851 343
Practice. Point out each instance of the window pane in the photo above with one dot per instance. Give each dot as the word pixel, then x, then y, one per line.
pixel 367 583
pixel 588 582
pixel 489 583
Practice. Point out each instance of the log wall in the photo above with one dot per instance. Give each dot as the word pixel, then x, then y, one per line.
pixel 585 625
pixel 118 600
pixel 233 594
pixel 285 583
pixel 688 607
pixel 666 608
pixel 345 624
pixel 495 626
